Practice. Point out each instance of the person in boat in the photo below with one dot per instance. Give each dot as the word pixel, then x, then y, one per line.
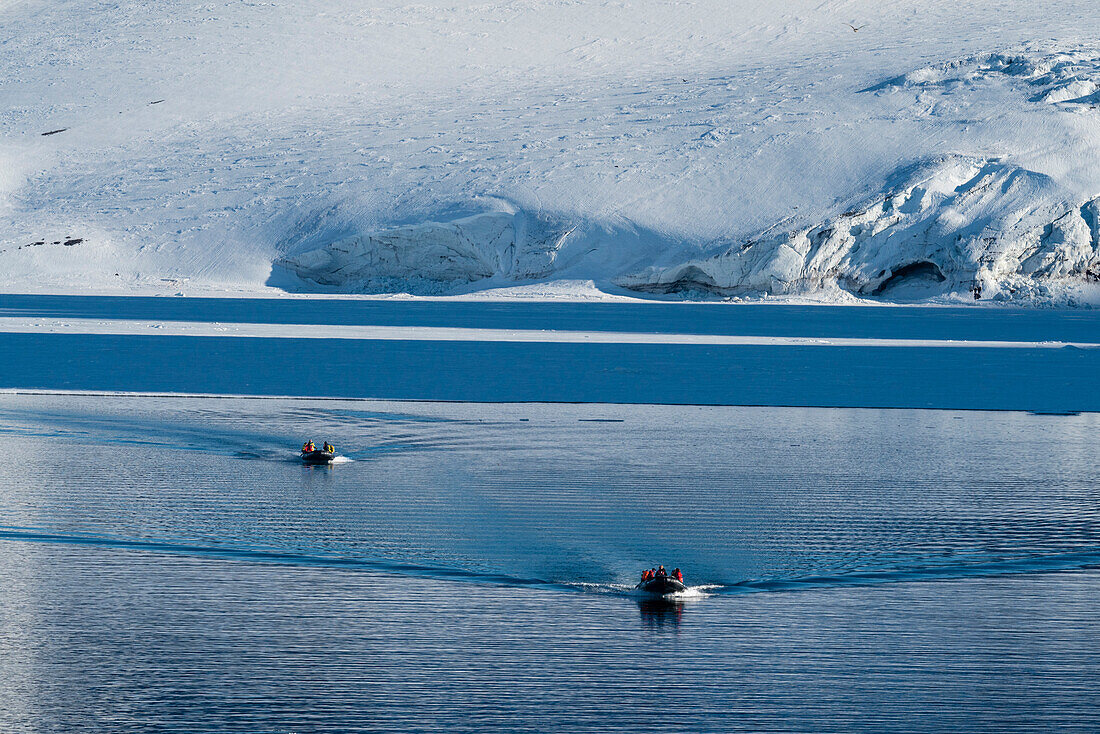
pixel 308 446
pixel 661 572
pixel 329 448
pixel 677 575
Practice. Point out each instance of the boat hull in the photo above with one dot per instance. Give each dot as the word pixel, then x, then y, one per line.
pixel 661 586
pixel 318 457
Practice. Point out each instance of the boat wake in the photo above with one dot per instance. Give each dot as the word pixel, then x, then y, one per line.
pixel 280 557
pixel 1050 563
pixel 701 591
pixel 1075 561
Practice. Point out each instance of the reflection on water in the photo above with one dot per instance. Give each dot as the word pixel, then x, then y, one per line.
pixel 660 614
pixel 171 561
pixel 105 639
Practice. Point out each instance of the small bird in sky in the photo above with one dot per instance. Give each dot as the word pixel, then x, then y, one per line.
pixel 854 29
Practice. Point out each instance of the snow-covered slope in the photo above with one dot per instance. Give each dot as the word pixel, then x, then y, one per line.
pixel 704 148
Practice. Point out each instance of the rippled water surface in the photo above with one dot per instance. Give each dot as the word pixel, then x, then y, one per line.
pixel 168 565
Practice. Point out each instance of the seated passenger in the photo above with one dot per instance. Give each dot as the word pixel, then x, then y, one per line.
pixel 677 575
pixel 329 448
pixel 308 446
pixel 661 572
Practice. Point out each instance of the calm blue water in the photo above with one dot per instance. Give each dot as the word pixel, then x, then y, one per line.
pixel 167 565
pixel 972 322
pixel 916 375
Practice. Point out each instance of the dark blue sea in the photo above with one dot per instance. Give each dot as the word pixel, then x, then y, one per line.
pixel 168 565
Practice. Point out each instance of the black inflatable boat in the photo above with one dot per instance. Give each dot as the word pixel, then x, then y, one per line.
pixel 661 586
pixel 318 457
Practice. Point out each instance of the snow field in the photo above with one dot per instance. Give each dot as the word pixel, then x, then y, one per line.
pixel 701 149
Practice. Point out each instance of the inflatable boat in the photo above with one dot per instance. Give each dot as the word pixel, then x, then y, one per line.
pixel 661 586
pixel 318 457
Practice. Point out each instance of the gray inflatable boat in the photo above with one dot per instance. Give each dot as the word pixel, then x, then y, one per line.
pixel 661 586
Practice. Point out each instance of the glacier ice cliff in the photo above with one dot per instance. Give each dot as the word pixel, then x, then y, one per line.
pixel 954 224
pixel 970 213
pixel 436 256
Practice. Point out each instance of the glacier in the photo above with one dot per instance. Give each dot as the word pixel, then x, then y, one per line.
pixel 956 224
pixel 706 150
pixel 434 255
